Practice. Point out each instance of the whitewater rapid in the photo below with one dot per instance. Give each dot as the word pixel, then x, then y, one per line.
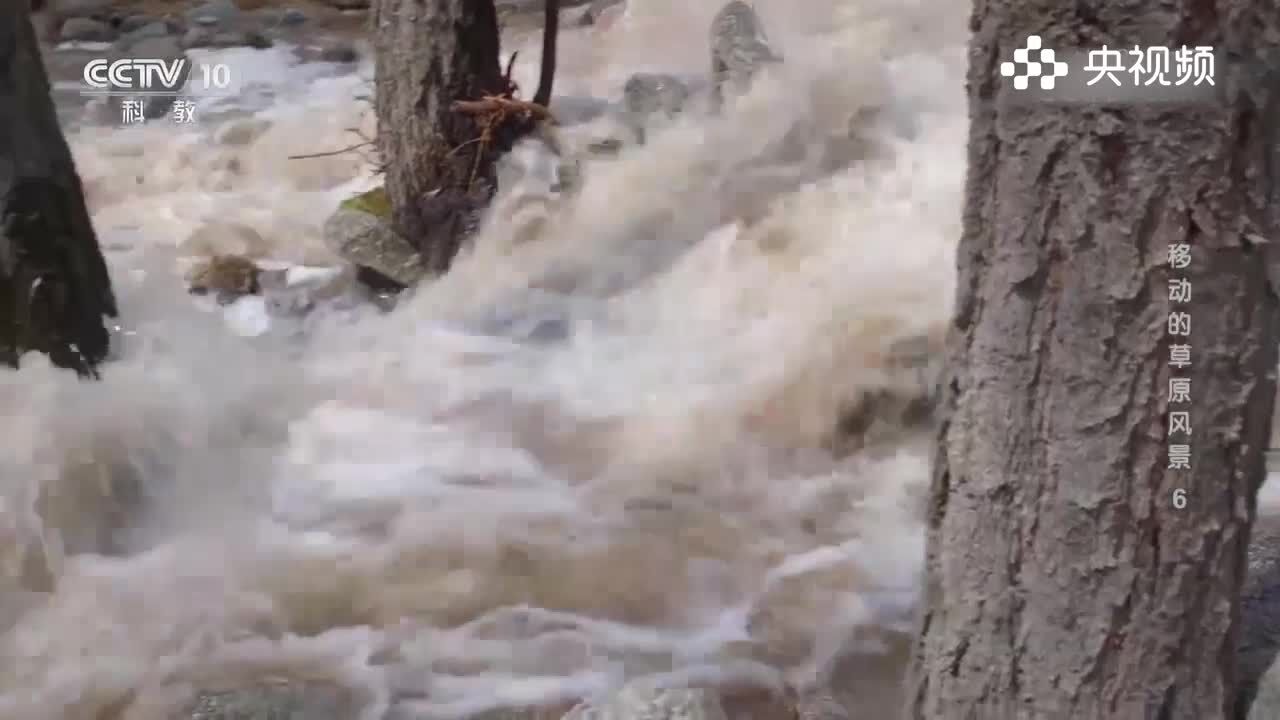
pixel 438 511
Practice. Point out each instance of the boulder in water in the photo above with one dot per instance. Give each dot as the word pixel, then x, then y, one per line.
pixel 1266 703
pixel 97 9
pixel 134 22
pixel 570 110
pixel 298 290
pixel 599 12
pixel 137 28
pixel 212 37
pixel 225 238
pixel 226 277
pixel 360 232
pixel 293 17
pixel 646 93
pixel 739 49
pixel 82 29
pixel 528 712
pixel 334 51
pixel 150 45
pixel 286 701
pixel 241 132
pixel 645 700
pixel 222 24
pixel 653 99
pixel 214 12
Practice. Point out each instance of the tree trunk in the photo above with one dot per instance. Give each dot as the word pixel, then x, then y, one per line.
pixel 1064 578
pixel 431 53
pixel 54 288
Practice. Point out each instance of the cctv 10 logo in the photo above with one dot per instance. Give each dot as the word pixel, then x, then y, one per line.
pixel 149 75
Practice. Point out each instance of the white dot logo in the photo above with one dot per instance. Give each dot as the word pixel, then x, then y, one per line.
pixel 1045 60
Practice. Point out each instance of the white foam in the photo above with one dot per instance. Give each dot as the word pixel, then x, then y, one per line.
pixel 624 483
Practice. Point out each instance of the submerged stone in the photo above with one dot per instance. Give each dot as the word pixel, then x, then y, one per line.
pixel 303 701
pixel 226 277
pixel 360 232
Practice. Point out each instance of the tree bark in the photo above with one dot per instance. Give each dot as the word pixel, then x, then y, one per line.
pixel 1063 580
pixel 430 54
pixel 54 288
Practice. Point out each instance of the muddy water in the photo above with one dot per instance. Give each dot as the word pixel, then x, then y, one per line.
pixel 434 510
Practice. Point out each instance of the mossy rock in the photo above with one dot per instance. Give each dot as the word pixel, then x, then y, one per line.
pixel 374 202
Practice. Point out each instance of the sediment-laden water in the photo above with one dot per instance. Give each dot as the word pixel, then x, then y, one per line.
pixel 606 445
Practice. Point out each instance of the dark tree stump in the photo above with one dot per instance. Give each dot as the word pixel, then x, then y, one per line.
pixel 54 287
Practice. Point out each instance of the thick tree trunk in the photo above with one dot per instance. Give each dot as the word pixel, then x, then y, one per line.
pixel 1065 580
pixel 54 288
pixel 431 53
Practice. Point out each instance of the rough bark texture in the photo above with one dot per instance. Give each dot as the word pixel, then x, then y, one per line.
pixel 54 288
pixel 431 53
pixel 1062 580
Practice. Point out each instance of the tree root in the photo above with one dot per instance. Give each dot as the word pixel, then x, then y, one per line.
pixel 494 112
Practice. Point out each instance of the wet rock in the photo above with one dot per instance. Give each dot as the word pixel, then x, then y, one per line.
pixel 239 133
pixel 569 176
pixel 135 22
pixel 283 702
pixel 381 286
pixel 225 238
pixel 605 147
pixel 223 13
pixel 83 29
pixel 213 37
pixel 572 110
pixel 653 98
pixel 299 290
pixel 547 712
pixel 534 316
pixel 881 418
pixel 360 232
pixel 149 42
pixel 96 9
pixel 758 703
pixel 154 39
pixel 820 705
pixel 641 700
pixel 1266 703
pixel 917 351
pixel 226 277
pixel 646 93
pixel 739 49
pixel 292 17
pixel 533 5
pixel 137 28
pixel 222 24
pixel 599 9
pixel 867 674
pixel 609 17
pixel 150 46
pixel 788 617
pixel 335 51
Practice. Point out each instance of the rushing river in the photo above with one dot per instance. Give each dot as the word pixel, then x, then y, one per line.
pixel 442 508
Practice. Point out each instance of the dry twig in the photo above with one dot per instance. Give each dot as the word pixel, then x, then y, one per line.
pixel 331 153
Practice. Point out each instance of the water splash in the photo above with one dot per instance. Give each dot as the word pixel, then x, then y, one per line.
pixel 605 445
